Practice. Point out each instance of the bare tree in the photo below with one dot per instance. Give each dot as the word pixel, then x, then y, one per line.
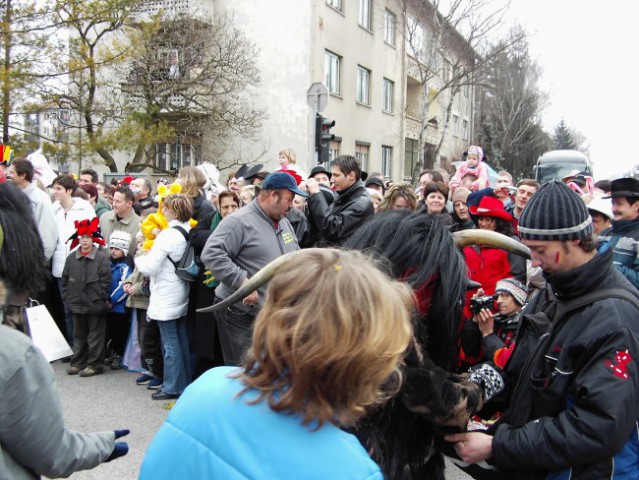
pixel 444 44
pixel 24 32
pixel 84 60
pixel 511 104
pixel 189 80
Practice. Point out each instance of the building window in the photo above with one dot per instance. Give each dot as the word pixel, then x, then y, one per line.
pixel 455 125
pixel 411 158
pixel 387 161
pixel 361 153
pixel 333 150
pixel 389 93
pixel 336 4
pixel 365 13
pixel 415 39
pixel 465 129
pixel 332 65
pixel 363 85
pixel 390 26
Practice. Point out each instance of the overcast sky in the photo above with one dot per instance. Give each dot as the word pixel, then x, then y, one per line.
pixel 588 53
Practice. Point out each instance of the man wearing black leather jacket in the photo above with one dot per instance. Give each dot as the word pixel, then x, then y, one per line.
pixel 574 409
pixel 352 206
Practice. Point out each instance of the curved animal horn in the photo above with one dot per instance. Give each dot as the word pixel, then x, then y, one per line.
pixel 256 281
pixel 463 238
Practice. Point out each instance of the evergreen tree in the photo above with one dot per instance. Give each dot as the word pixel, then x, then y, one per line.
pixel 563 137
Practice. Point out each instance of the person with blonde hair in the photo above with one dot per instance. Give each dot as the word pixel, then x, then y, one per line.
pixel 288 161
pixel 192 180
pixel 248 193
pixel 400 196
pixel 169 294
pixel 326 349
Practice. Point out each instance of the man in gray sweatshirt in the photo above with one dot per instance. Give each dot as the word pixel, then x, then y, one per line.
pixel 242 244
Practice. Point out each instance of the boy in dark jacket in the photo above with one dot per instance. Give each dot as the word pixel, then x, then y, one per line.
pixel 85 289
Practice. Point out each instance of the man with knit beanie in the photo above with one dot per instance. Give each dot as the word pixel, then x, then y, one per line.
pixel 574 410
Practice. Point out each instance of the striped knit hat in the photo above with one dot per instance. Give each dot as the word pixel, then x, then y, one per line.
pixel 517 289
pixel 555 212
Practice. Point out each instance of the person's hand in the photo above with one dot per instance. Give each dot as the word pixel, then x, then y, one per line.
pixel 479 293
pixel 120 449
pixel 250 300
pixel 485 321
pixel 312 186
pixel 109 305
pixel 156 231
pixel 472 447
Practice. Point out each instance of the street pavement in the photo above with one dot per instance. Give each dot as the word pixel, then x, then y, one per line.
pixel 113 401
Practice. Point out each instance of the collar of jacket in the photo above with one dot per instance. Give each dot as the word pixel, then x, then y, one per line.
pixel 623 226
pixel 257 208
pixel 91 255
pixel 583 279
pixel 125 220
pixel 349 192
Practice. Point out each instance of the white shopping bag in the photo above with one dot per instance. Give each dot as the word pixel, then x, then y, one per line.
pixel 46 335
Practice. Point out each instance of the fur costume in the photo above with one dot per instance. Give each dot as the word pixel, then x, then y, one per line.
pixel 22 264
pixel 400 435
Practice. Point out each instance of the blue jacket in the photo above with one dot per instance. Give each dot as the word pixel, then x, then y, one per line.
pixel 623 238
pixel 211 434
pixel 120 271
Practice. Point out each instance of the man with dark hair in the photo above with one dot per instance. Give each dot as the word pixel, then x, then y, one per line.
pixel 88 175
pixel 526 188
pixel 352 206
pixel 142 189
pixel 21 174
pixel 623 236
pixel 239 247
pixel 122 217
pixel 574 409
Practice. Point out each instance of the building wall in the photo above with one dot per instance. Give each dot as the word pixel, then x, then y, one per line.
pixel 340 33
pixel 282 32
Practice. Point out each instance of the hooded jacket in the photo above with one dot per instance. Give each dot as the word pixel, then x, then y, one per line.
pixel 574 410
pixel 623 237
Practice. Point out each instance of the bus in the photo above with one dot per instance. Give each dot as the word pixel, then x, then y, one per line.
pixel 557 164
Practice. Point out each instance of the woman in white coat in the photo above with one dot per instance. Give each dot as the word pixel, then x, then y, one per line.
pixel 67 210
pixel 168 302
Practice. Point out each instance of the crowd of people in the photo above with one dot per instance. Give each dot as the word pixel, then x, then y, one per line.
pixel 111 254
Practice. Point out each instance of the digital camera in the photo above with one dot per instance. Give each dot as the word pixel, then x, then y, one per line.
pixel 477 304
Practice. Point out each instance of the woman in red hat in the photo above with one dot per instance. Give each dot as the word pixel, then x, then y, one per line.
pixel 487 265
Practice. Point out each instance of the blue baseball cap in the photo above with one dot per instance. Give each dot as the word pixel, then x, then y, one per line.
pixel 281 181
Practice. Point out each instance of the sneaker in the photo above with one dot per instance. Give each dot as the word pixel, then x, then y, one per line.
pixel 116 364
pixel 160 395
pixel 154 384
pixel 89 372
pixel 73 371
pixel 144 379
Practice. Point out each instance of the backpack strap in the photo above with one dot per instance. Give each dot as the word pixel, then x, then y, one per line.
pixel 186 237
pixel 564 307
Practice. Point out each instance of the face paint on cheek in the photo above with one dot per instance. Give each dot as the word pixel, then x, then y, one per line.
pixel 557 258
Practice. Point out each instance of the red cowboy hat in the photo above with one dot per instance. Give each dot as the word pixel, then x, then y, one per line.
pixel 491 207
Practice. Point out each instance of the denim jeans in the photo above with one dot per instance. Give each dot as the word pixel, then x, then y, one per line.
pixel 236 329
pixel 177 374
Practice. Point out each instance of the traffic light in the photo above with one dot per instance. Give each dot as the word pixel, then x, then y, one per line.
pixel 323 136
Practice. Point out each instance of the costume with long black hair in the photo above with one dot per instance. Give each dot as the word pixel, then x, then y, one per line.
pixel 22 262
pixel 400 435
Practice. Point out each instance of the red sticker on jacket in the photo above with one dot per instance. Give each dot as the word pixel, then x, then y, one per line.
pixel 619 364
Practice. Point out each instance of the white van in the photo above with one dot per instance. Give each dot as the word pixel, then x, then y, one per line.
pixel 557 164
